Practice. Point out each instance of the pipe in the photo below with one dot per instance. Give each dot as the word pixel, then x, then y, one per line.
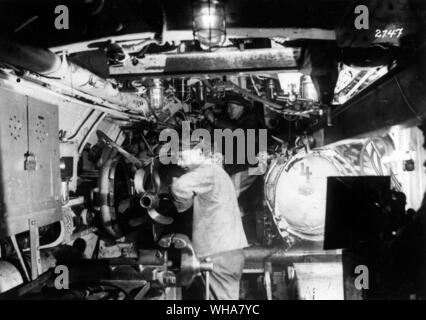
pixel 108 214
pixel 148 200
pixel 50 65
pixel 89 132
pixel 30 88
pixel 34 59
pixel 269 104
pixel 280 254
pixel 59 240
pixel 271 89
pixel 108 141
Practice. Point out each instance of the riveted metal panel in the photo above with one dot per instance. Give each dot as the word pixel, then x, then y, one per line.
pixel 44 144
pixel 28 134
pixel 14 188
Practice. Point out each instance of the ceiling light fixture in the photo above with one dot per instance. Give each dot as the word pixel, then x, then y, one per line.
pixel 209 25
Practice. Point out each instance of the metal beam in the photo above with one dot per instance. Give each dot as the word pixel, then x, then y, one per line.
pixel 218 62
pixel 236 33
pixel 187 35
pixel 399 98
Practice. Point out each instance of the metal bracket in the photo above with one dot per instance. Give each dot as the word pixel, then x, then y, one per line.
pixel 36 269
pixel 19 254
pixel 190 264
pixel 30 163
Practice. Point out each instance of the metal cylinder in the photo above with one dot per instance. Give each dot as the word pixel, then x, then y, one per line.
pixel 279 254
pixel 200 90
pixel 242 82
pixel 65 192
pixel 271 89
pixel 295 191
pixel 181 88
pixel 34 59
pixel 307 89
pixel 67 73
pixel 148 200
pixel 156 94
pixel 151 257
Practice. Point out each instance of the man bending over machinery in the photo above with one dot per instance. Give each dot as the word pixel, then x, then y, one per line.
pixel 217 232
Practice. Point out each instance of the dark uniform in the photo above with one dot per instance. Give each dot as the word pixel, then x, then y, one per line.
pixel 247 120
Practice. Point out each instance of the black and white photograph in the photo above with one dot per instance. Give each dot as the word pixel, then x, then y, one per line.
pixel 225 153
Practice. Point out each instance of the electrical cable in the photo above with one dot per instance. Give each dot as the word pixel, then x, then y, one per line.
pixel 81 125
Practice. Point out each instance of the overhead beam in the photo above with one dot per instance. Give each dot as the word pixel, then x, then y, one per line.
pixel 186 35
pixel 218 62
pixel 236 33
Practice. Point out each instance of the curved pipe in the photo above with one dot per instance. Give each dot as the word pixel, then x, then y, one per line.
pixel 106 194
pixel 58 241
pixel 55 243
pixel 159 218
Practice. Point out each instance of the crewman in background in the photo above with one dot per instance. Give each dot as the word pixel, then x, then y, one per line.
pixel 239 116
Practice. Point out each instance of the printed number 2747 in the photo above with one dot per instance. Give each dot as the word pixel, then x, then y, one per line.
pixel 390 33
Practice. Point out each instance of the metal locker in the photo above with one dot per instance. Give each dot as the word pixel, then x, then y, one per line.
pixel 29 163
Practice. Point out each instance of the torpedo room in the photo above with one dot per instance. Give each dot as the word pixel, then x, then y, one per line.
pixel 212 150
